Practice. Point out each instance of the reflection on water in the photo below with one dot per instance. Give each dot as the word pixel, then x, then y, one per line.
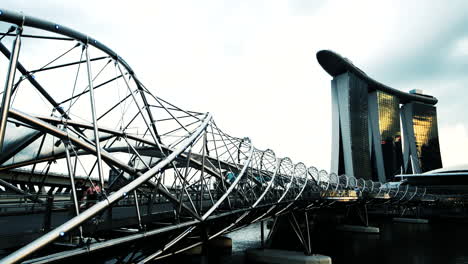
pixel 243 239
pixel 400 243
pixel 248 237
pixel 397 243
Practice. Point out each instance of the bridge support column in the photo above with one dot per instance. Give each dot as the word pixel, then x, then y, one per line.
pixel 413 215
pixel 48 214
pixel 292 230
pixel 219 248
pixel 358 219
pixel 359 229
pixel 71 174
pixel 302 231
pixel 262 234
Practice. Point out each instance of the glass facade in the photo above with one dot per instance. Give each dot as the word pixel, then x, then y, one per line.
pixel 390 133
pixel 359 111
pixel 367 132
pixel 426 136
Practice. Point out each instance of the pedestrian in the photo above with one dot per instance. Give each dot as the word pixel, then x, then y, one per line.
pixel 92 194
pixel 80 190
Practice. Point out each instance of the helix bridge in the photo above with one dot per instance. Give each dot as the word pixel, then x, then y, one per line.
pixel 74 114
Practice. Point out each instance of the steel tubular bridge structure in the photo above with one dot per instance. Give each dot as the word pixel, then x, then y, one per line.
pixel 75 113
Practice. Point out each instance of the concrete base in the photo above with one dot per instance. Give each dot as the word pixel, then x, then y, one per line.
pixel 220 246
pixel 359 229
pixel 273 256
pixel 216 246
pixel 411 220
pixel 198 250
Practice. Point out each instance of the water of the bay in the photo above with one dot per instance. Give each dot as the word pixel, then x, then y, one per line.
pixel 443 242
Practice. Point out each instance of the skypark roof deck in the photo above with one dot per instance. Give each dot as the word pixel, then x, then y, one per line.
pixel 335 64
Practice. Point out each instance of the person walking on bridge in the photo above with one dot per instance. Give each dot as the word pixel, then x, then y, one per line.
pixel 92 194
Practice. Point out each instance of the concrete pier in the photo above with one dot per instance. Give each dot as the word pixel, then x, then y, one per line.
pixel 195 251
pixel 274 256
pixel 217 246
pixel 359 229
pixel 220 246
pixel 411 220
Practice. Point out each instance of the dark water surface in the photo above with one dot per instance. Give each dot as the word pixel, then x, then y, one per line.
pixel 397 243
pixel 246 238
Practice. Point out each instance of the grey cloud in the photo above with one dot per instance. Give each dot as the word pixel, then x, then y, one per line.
pixel 432 60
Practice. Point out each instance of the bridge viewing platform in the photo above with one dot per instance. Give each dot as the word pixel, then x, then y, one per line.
pixel 95 164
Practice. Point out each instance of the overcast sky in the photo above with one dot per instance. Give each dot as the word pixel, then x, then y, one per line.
pixel 252 63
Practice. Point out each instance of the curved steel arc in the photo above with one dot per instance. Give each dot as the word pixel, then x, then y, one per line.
pixel 23 117
pixel 29 21
pixel 300 192
pixel 304 174
pixel 291 179
pixel 129 136
pixel 233 185
pixel 280 199
pixel 87 147
pixel 270 184
pixel 100 206
pixel 33 81
pixel 259 199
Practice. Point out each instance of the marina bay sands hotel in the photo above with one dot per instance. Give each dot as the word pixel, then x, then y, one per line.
pixel 378 131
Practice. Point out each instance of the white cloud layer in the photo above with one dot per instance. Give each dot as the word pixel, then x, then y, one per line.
pixel 454 141
pixel 460 47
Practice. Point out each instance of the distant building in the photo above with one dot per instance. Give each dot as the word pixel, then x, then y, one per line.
pixel 420 123
pixel 367 140
pixel 384 113
pixel 350 142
